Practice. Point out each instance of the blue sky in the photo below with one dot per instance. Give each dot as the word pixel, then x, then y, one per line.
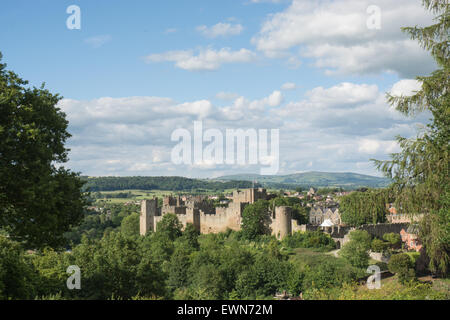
pixel 141 69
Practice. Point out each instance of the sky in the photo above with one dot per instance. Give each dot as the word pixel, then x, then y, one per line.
pixel 136 71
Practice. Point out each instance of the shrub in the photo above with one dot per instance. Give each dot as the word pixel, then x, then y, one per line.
pixel 356 250
pixel 402 265
pixel 378 245
pixel 309 239
pixel 394 239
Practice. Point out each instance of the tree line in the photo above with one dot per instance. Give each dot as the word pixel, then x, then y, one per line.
pixel 160 183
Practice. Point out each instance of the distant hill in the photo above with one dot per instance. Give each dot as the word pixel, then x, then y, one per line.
pixel 160 183
pixel 346 180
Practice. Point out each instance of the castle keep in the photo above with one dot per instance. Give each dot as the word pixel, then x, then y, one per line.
pixel 208 219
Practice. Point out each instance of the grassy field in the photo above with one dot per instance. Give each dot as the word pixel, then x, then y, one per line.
pixel 138 195
pixel 312 257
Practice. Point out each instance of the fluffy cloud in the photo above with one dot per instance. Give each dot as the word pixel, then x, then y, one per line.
pixel 336 36
pixel 338 128
pixel 220 29
pixel 226 96
pixel 289 86
pixel 205 60
pixel 405 87
pixel 344 94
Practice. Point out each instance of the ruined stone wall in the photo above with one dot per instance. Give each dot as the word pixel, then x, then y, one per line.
pixel 378 230
pixel 173 209
pixel 172 201
pixel 156 220
pixel 220 221
pixel 249 195
pixel 342 234
pixel 297 227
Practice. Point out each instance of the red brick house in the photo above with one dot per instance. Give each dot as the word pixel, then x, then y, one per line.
pixel 410 238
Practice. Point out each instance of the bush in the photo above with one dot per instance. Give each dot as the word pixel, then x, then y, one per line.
pixel 16 276
pixel 394 239
pixel 401 264
pixel 378 245
pixel 309 239
pixel 328 274
pixel 356 250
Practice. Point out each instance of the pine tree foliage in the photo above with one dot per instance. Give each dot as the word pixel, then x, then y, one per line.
pixel 420 170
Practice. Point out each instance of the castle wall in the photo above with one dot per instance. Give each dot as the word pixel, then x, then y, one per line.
pixel 295 227
pixel 378 230
pixel 173 209
pixel 249 195
pixel 223 219
pixel 208 219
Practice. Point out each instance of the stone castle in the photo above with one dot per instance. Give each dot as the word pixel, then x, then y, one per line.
pixel 209 219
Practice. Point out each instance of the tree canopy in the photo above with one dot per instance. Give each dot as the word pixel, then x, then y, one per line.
pixel 420 170
pixel 256 219
pixel 368 207
pixel 39 198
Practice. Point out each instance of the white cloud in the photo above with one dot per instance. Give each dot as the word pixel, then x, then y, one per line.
pixel 289 86
pixel 343 94
pixel 220 29
pixel 98 41
pixel 337 128
pixel 335 35
pixel 372 146
pixel 249 111
pixel 206 59
pixel 226 96
pixel 405 87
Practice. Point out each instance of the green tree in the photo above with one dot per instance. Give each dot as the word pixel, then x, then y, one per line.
pixel 39 199
pixel 117 266
pixel 255 219
pixel 50 267
pixel 420 170
pixel 178 269
pixel 402 265
pixel 170 226
pixel 394 239
pixel 368 207
pixel 327 274
pixel 16 276
pixel 208 283
pixel 294 281
pixel 378 245
pixel 130 225
pixel 190 236
pixel 356 250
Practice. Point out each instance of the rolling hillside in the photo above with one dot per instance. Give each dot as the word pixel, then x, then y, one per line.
pixel 317 179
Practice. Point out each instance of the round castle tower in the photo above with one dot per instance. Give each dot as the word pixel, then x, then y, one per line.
pixel 282 224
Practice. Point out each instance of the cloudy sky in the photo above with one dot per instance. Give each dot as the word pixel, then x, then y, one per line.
pixel 136 71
